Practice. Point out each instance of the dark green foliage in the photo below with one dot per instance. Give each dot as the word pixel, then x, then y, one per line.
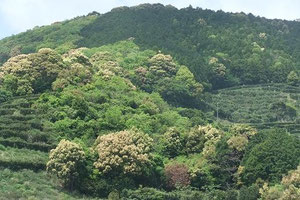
pixel 249 47
pixel 270 154
pixel 249 193
pixel 283 111
pixel 4 95
pixel 227 161
pixel 176 93
pixel 222 195
pixel 184 194
pixel 197 117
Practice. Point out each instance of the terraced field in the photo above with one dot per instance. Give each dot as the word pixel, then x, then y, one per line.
pixel 24 146
pixel 24 141
pixel 263 106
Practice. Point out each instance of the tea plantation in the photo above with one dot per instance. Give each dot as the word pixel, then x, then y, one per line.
pixel 263 106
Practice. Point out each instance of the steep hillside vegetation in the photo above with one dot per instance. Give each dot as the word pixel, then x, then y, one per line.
pixel 126 120
pixel 223 49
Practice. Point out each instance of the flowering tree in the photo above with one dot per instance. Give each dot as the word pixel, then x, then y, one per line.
pixel 289 189
pixel 126 152
pixel 65 162
pixel 208 135
pixel 172 143
pixel 37 70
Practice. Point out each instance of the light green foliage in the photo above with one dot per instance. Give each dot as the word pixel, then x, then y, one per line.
pixel 218 68
pixel 161 66
pixel 27 184
pixel 293 78
pixel 172 143
pixel 78 70
pixel 238 142
pixel 65 161
pixel 243 129
pixel 185 76
pixel 240 135
pixel 200 169
pixel 272 193
pixel 99 92
pixel 14 158
pixel 289 189
pixel 61 36
pixel 195 140
pixel 90 101
pixel 257 50
pixel 212 137
pixel 293 177
pixel 127 152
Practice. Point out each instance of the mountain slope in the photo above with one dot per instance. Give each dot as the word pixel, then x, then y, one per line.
pixel 59 35
pixel 224 49
pixel 128 121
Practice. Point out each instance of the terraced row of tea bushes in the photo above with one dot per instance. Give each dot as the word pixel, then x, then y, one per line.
pixel 16 159
pixel 24 146
pixel 22 127
pixel 24 140
pixel 27 184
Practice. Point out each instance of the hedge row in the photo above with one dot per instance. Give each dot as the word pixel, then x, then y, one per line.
pixel 19 143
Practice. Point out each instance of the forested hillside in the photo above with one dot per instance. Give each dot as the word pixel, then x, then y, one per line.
pixel 151 103
pixel 223 49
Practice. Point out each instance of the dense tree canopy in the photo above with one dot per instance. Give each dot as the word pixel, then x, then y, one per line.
pixel 221 48
pixel 125 151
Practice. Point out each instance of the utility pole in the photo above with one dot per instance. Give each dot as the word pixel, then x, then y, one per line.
pixel 218 107
pixel 217 110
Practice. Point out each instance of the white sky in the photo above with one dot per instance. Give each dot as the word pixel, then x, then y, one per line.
pixel 20 15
